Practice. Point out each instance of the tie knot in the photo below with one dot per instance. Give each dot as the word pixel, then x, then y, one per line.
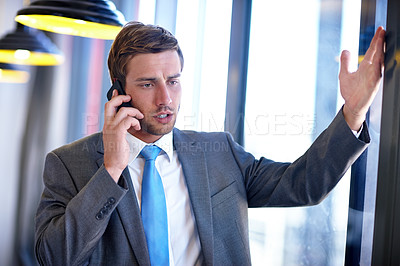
pixel 150 152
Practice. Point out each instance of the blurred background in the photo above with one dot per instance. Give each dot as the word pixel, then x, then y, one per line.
pixel 265 70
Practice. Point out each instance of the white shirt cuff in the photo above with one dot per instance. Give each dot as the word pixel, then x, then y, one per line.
pixel 358 133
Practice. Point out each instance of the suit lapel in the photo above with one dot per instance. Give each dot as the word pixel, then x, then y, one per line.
pixel 192 159
pixel 129 213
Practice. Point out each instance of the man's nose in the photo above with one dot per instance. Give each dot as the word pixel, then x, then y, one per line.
pixel 163 96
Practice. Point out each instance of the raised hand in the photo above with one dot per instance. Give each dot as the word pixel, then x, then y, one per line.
pixel 359 88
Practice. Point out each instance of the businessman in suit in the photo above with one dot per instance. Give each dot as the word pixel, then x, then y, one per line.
pixel 90 210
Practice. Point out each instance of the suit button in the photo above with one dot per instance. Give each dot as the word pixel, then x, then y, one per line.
pixel 99 216
pixel 111 201
pixel 104 210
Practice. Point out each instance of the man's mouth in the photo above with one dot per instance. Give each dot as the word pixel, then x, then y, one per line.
pixel 162 116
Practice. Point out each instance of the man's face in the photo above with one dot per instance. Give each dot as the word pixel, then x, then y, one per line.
pixel 153 82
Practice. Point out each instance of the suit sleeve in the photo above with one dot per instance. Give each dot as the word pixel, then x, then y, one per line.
pixel 309 179
pixel 69 222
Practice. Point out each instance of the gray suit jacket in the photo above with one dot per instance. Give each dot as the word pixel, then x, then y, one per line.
pixel 84 217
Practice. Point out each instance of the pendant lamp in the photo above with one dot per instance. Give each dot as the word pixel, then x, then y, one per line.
pixel 27 46
pixel 11 74
pixel 86 18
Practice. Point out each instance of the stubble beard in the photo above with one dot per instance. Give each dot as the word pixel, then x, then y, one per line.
pixel 158 129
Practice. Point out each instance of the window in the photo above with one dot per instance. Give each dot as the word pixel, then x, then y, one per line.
pixel 292 95
pixel 203 30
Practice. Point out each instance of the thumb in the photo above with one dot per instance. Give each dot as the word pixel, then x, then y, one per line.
pixel 344 62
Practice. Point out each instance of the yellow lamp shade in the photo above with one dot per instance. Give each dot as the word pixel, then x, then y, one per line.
pixel 70 26
pixel 86 18
pixel 25 57
pixel 9 74
pixel 27 46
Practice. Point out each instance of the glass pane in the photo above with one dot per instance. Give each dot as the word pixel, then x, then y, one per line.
pixel 147 11
pixel 203 31
pixel 292 94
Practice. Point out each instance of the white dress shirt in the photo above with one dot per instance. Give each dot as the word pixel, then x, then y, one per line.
pixel 183 238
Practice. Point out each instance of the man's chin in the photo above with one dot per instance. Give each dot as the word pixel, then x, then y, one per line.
pixel 160 132
pixel 157 130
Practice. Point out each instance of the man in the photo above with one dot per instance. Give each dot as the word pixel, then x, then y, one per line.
pixel 90 211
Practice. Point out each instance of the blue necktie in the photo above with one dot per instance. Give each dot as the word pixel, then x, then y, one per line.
pixel 154 209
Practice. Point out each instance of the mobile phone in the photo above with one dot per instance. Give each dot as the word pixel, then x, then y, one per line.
pixel 117 85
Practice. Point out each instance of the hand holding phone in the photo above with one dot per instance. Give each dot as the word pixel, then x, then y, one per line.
pixel 116 126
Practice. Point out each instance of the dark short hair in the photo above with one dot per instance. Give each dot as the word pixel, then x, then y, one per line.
pixel 137 38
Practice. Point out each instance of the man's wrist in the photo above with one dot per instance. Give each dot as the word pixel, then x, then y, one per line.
pixel 354 121
pixel 114 173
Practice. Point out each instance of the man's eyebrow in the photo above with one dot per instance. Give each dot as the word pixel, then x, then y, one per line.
pixel 177 75
pixel 154 79
pixel 145 79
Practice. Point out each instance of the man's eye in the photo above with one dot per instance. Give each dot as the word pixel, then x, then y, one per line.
pixel 147 85
pixel 173 82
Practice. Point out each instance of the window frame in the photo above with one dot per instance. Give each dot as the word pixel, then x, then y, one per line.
pixel 387 215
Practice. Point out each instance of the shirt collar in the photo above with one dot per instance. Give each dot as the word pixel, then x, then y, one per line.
pixel 136 145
